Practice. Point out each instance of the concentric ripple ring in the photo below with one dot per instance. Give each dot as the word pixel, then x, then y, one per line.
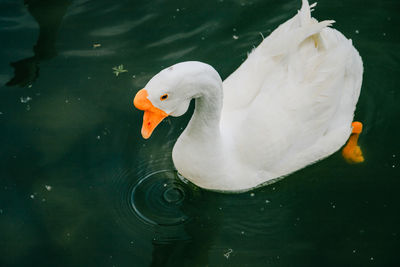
pixel 158 198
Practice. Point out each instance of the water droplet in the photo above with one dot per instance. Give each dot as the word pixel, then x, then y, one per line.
pixel 32 196
pixel 357 31
pixel 98 137
pixel 252 194
pixel 372 258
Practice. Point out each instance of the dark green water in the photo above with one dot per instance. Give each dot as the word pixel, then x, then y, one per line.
pixel 77 182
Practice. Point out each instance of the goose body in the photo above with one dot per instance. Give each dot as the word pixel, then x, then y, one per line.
pixel 290 104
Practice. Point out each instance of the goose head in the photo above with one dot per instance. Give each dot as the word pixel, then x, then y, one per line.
pixel 170 91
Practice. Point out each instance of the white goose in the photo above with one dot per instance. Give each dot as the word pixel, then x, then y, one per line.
pixel 290 104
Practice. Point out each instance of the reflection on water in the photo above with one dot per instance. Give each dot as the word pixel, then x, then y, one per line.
pixel 48 14
pixel 80 187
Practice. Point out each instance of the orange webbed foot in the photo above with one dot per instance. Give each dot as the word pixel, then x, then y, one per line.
pixel 352 152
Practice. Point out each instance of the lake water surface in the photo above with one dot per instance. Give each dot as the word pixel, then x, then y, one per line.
pixel 79 186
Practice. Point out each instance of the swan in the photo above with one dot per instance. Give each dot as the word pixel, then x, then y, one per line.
pixel 290 104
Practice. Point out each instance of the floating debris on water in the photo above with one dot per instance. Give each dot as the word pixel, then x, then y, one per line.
pixel 96 45
pixel 25 99
pixel 227 254
pixel 235 37
pixel 267 201
pixel 48 187
pixel 119 69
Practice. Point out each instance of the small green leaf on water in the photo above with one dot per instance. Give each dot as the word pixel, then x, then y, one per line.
pixel 119 69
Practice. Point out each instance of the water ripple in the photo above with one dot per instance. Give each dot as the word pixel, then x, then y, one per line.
pixel 157 199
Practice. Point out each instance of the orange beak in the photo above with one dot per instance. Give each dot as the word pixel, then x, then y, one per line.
pixel 152 115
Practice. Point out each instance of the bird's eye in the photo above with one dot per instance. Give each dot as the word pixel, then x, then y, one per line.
pixel 163 97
